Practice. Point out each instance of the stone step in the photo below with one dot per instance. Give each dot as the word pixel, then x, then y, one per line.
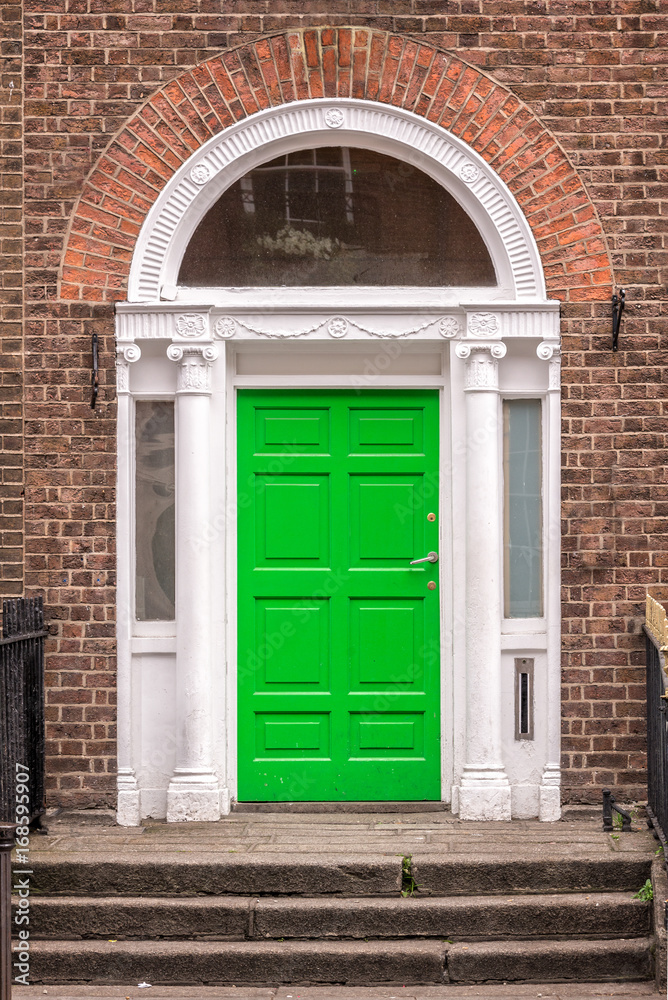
pixel 210 874
pixel 338 874
pixel 238 918
pixel 613 961
pixel 443 875
pixel 337 962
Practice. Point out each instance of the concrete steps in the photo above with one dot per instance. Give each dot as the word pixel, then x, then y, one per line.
pixel 272 963
pixel 465 918
pixel 192 918
pixel 338 874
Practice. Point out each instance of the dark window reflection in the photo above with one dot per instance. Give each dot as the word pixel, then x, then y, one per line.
pixel 155 511
pixel 336 216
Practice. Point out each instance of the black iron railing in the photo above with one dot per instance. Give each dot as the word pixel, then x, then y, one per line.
pixel 7 831
pixel 22 710
pixel 656 645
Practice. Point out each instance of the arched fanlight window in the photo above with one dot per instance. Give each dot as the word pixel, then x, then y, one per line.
pixel 336 216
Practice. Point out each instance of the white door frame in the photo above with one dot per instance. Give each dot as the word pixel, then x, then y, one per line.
pixel 200 328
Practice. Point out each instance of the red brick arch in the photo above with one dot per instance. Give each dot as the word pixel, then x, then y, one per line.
pixel 330 62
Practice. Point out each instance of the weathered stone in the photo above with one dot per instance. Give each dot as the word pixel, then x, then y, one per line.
pixel 550 961
pixel 456 874
pixel 146 918
pixel 469 918
pixel 660 901
pixel 266 963
pixel 198 873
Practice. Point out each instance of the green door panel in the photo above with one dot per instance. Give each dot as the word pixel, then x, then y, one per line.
pixel 338 636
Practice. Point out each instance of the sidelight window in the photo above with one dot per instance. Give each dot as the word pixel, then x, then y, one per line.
pixel 523 547
pixel 154 508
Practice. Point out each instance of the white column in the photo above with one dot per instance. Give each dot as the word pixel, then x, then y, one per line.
pixel 193 792
pixel 128 804
pixel 484 791
pixel 550 790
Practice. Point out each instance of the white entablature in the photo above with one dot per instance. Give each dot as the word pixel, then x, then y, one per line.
pixel 470 321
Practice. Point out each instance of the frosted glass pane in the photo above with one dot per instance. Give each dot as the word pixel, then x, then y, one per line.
pixel 523 513
pixel 155 545
pixel 336 216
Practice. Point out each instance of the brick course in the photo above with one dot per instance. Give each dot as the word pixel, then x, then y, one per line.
pixel 11 328
pixel 195 106
pixel 566 100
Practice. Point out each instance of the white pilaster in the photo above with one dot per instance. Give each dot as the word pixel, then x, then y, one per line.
pixel 128 804
pixel 484 791
pixel 550 791
pixel 193 792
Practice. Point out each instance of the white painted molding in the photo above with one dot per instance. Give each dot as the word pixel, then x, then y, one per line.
pixel 194 792
pixel 226 157
pixel 128 798
pixel 450 327
pixel 168 321
pixel 551 352
pixel 191 325
pixel 483 324
pixel 484 789
pixel 516 320
pixel 496 350
pixel 194 367
pixel 482 364
pixel 127 802
pixel 550 793
pixel 545 350
pixel 126 355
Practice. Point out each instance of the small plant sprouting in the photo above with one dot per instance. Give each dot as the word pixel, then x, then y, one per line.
pixel 408 883
pixel 659 849
pixel 645 892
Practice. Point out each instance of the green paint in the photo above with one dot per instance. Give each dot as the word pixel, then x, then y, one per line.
pixel 338 691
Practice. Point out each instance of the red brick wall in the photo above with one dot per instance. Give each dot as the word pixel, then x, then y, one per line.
pixel 565 99
pixel 11 329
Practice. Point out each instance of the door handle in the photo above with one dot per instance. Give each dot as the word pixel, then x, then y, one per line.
pixel 432 558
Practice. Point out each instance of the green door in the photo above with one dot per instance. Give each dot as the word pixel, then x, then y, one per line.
pixel 338 673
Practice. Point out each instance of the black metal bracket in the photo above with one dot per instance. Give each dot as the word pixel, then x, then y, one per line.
pixel 95 375
pixel 618 302
pixel 609 806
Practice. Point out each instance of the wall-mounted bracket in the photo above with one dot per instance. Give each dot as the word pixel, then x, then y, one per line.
pixel 618 302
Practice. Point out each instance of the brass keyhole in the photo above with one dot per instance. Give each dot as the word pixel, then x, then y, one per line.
pixel 431 517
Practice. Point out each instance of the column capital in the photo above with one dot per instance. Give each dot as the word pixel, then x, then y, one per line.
pixel 194 371
pixel 482 368
pixel 551 351
pixel 126 354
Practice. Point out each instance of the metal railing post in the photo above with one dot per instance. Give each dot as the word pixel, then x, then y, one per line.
pixel 656 646
pixel 7 831
pixel 22 706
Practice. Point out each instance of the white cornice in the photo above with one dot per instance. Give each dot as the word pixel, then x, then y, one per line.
pixel 205 323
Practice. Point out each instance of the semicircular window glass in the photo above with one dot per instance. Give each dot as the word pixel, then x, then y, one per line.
pixel 336 216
